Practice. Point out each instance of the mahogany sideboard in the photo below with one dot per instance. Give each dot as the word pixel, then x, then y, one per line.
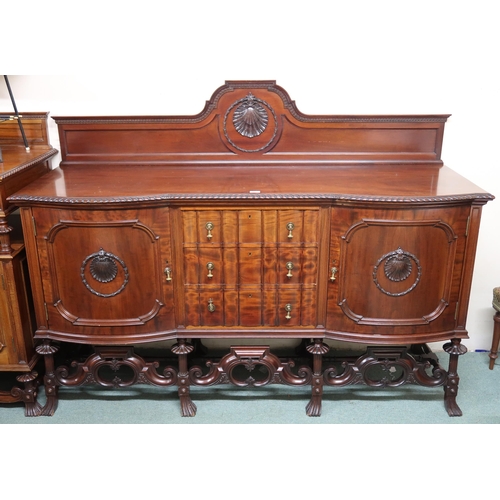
pixel 252 222
pixel 19 166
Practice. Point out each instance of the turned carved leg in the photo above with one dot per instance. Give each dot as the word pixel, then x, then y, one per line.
pixel 496 340
pixel 454 349
pixel 28 395
pixel 182 349
pixel 47 350
pixel 317 349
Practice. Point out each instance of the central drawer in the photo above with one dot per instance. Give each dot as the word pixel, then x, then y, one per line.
pixel 250 267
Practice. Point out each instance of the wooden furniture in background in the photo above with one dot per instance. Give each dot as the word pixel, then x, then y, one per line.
pixel 17 324
pixel 252 222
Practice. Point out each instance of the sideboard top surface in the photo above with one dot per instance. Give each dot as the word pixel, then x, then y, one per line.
pixel 114 185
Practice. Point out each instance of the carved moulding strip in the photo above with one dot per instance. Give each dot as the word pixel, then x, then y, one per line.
pixel 66 224
pixel 161 198
pixel 250 357
pixel 292 108
pixel 365 223
pixel 424 320
pixel 140 320
pixel 87 372
pixel 266 85
pixel 43 157
pixel 397 366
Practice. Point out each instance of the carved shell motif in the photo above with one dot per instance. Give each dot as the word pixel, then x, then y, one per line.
pixel 250 118
pixel 103 268
pixel 398 267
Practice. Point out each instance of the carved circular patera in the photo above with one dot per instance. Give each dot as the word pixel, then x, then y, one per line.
pixel 398 266
pixel 250 117
pixel 103 268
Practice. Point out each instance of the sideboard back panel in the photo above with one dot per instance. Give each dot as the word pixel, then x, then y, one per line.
pixel 254 123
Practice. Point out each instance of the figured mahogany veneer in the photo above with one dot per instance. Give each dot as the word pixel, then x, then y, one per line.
pixel 248 221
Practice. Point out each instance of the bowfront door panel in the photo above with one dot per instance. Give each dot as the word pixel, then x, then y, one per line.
pixel 399 271
pixel 103 271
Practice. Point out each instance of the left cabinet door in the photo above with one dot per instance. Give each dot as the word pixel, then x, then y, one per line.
pixel 102 274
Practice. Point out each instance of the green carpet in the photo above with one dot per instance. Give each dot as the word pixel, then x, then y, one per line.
pixel 478 397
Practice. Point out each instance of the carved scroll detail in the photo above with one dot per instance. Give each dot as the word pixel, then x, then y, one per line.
pixel 115 358
pixel 397 366
pixel 250 357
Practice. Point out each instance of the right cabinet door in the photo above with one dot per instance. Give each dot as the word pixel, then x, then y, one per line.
pixel 395 273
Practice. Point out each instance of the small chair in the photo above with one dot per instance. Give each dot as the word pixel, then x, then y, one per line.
pixel 496 327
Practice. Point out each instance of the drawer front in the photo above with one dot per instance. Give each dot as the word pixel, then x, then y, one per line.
pixel 245 268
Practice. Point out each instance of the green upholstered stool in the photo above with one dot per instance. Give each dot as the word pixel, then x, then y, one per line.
pixel 496 327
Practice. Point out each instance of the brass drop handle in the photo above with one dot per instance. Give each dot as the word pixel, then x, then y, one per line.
pixel 290 226
pixel 209 227
pixel 211 306
pixel 210 267
pixel 289 266
pixel 288 309
pixel 168 273
pixel 334 272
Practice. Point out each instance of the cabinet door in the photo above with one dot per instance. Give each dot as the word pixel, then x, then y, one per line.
pixel 261 260
pixel 103 272
pixel 399 273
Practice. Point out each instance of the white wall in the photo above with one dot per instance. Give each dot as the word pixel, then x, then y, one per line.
pixel 333 57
